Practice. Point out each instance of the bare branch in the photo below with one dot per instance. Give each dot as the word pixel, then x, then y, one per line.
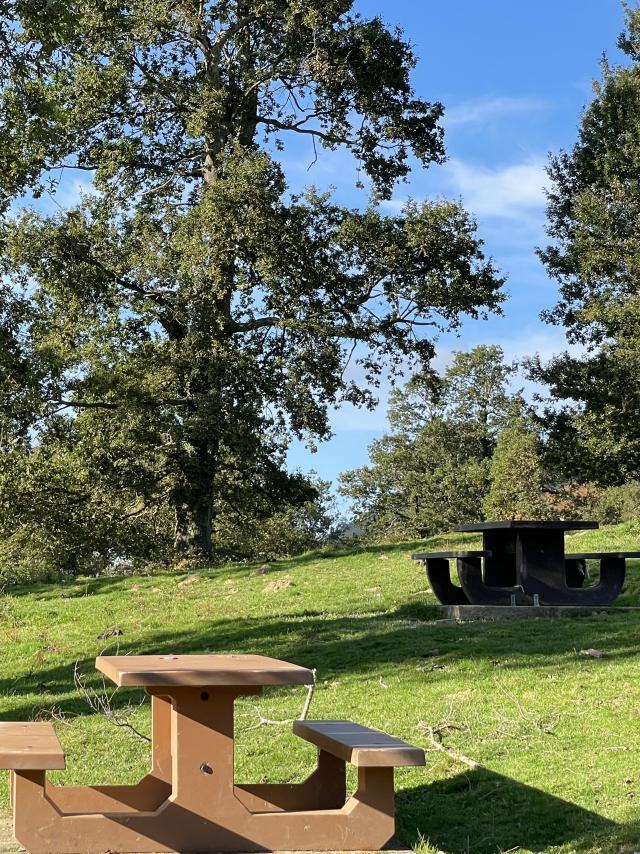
pixel 297 128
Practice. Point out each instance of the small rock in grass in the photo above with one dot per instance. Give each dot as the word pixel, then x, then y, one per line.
pixel 114 632
pixel 276 586
pixel 262 570
pixel 592 653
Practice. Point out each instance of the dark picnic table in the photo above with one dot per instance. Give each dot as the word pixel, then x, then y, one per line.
pixel 525 563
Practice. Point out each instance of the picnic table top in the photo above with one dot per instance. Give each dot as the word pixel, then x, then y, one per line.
pixel 201 670
pixel 514 524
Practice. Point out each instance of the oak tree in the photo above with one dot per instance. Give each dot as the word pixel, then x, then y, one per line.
pixel 188 312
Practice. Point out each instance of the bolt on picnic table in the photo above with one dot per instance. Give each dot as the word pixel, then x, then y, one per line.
pixel 525 564
pixel 189 801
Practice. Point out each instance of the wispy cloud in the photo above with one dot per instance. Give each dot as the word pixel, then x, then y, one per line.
pixel 489 109
pixel 505 192
pixel 516 192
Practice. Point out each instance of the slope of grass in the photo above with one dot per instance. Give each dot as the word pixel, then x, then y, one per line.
pixel 555 731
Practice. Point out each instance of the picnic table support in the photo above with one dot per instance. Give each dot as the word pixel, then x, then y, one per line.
pixel 439 576
pixel 480 593
pixel 197 806
pixel 556 591
pixel 524 564
pixel 149 794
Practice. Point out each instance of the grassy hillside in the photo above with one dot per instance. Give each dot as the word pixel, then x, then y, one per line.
pixel 556 732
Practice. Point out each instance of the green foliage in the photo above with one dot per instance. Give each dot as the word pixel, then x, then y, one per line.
pixel 173 327
pixel 432 471
pixel 594 222
pixel 255 531
pixel 620 504
pixel 415 487
pixel 517 478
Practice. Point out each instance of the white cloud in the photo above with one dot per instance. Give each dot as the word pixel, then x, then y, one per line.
pixel 482 111
pixel 506 192
pixel 514 192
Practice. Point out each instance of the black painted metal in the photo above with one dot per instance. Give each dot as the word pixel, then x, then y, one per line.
pixel 479 593
pixel 525 563
pixel 439 576
pixel 576 572
pixel 540 560
pixel 500 568
pixel 449 555
pixel 517 524
pixel 612 575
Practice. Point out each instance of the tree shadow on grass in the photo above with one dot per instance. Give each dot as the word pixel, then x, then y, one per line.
pixel 359 645
pixel 484 812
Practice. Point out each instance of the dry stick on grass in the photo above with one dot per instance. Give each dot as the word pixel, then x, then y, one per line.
pixel 435 734
pixel 262 721
pixel 546 725
pixel 101 703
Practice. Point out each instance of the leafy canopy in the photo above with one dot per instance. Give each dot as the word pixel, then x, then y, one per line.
pixel 188 313
pixel 431 471
pixel 594 223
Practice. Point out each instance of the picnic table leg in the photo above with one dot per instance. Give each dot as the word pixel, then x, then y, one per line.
pixel 148 794
pixel 202 749
pixel 439 575
pixel 543 569
pixel 325 789
pixel 612 577
pixel 161 737
pixel 479 593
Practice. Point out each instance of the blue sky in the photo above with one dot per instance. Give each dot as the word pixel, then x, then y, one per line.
pixel 514 78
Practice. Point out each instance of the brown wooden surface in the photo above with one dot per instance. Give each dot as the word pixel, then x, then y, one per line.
pixel 201 670
pixel 30 747
pixel 359 745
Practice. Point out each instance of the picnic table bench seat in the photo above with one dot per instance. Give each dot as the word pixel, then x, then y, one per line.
pixel 450 555
pixel 359 745
pixel 602 555
pixel 31 746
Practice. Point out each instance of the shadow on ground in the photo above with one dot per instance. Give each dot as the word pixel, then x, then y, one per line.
pixel 356 645
pixel 484 812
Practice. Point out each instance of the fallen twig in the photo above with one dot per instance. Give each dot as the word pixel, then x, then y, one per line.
pixel 100 703
pixel 435 733
pixel 262 721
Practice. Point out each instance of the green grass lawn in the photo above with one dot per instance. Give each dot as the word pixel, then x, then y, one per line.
pixel 557 732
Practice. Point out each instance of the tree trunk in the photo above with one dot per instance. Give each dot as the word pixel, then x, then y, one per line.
pixel 192 502
pixel 194 519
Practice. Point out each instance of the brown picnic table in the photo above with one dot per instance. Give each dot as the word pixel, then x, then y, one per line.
pixel 189 800
pixel 525 563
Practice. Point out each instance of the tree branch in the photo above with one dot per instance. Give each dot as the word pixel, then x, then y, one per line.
pixel 103 404
pixel 296 128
